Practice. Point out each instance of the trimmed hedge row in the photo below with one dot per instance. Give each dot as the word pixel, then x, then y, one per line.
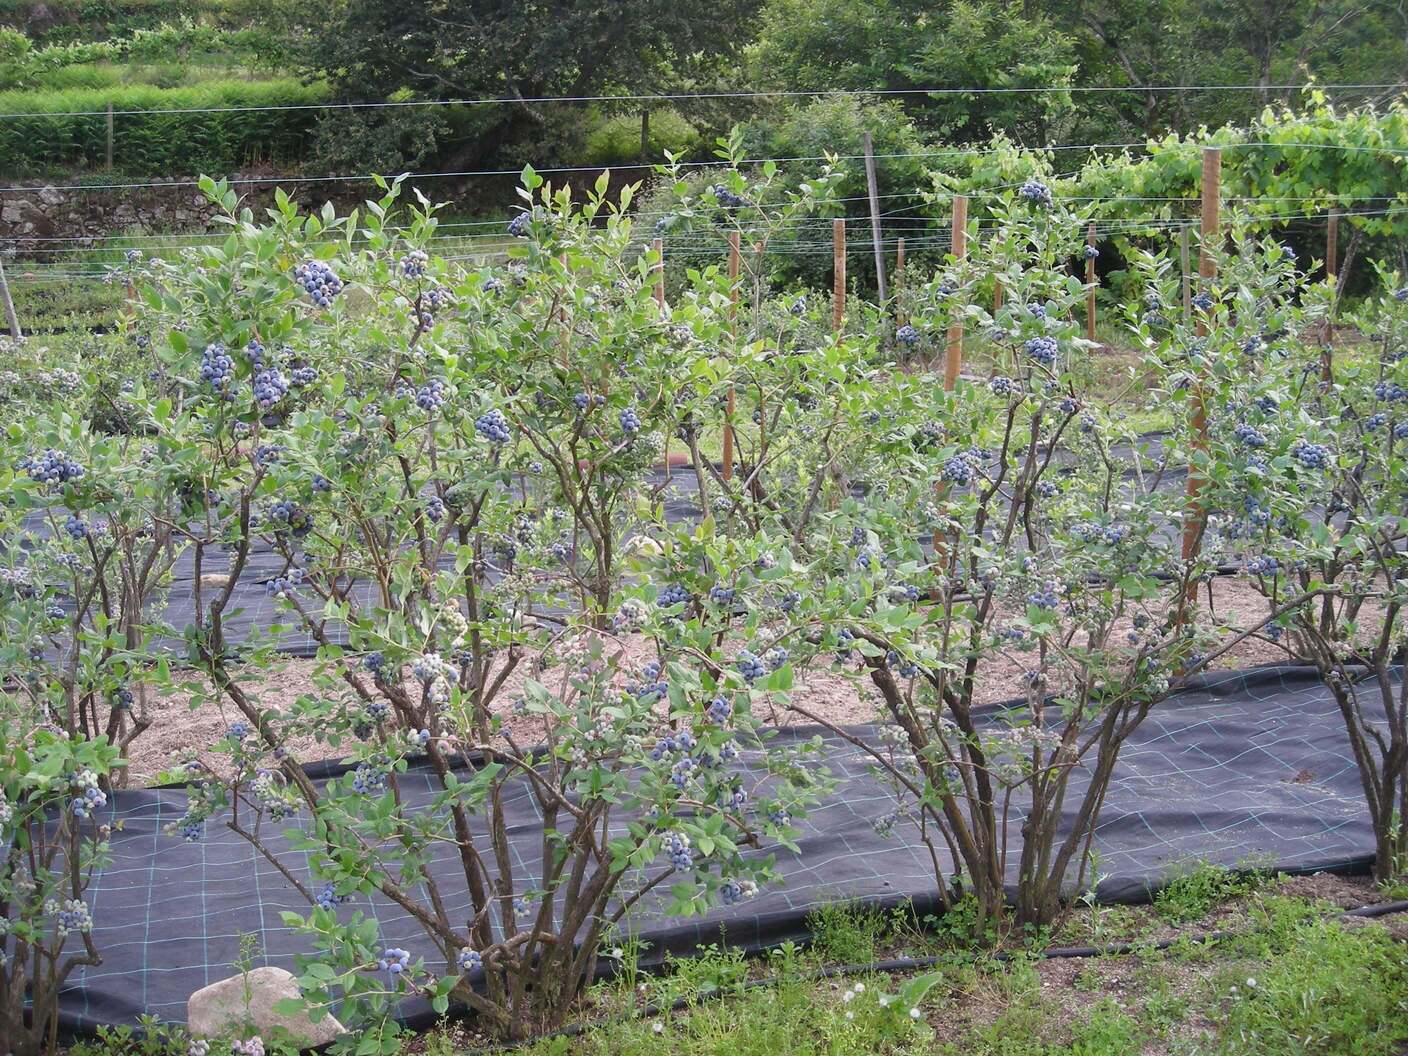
pixel 171 144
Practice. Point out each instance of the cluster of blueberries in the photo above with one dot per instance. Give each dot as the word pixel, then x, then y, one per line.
pixel 88 796
pixel 431 396
pixel 394 961
pixel 292 516
pixel 282 585
pixel 1094 532
pixel 71 915
pixel 726 197
pixel 493 426
pixel 1042 349
pixel 1048 596
pixel 673 594
pixel 1309 455
pixel 1249 435
pixel 519 225
pixel 963 468
pixel 1034 192
pixel 319 281
pixel 52 467
pixel 652 686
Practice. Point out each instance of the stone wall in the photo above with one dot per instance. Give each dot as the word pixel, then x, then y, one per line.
pixel 32 216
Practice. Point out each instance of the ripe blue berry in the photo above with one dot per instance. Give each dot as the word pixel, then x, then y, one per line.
pixel 518 227
pixel 907 335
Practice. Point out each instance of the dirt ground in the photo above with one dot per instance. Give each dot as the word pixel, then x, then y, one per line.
pixel 838 695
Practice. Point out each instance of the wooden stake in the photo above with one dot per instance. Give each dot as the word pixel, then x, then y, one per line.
pixel 899 280
pixel 1090 281
pixel 875 219
pixel 11 316
pixel 1195 514
pixel 997 292
pixel 838 273
pixel 953 354
pixel 657 246
pixel 735 262
pixel 1332 272
pixel 108 157
pixel 1187 271
pixel 1332 245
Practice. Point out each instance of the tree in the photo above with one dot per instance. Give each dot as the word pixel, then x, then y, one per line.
pixel 1154 45
pixel 517 50
pixel 898 45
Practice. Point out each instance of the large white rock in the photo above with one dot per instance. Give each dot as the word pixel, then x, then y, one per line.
pixel 249 1000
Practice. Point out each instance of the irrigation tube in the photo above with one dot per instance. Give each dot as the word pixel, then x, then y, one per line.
pixel 908 964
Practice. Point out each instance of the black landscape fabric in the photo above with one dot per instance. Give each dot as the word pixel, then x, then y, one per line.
pixel 1241 768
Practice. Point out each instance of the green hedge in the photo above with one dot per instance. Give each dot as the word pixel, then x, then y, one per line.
pixel 179 144
pixel 64 21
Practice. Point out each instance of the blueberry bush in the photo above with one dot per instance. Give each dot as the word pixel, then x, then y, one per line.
pixel 447 471
pixel 1311 475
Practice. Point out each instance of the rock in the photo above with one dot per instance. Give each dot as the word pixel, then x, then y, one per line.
pixel 51 195
pixel 226 1006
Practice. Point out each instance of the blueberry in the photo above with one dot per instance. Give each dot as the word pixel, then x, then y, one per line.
pixel 907 335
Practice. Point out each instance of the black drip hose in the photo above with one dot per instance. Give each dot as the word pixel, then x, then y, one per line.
pixel 908 964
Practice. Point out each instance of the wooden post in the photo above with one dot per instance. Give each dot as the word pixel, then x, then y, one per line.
pixel 735 261
pixel 644 135
pixel 11 316
pixel 1332 272
pixel 899 280
pixel 1332 245
pixel 657 246
pixel 1195 514
pixel 953 354
pixel 1187 275
pixel 1090 282
pixel 109 150
pixel 997 294
pixel 875 219
pixel 838 273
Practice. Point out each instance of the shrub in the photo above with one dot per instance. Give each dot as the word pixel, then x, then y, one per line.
pixel 92 539
pixel 470 446
pixel 1309 465
pixel 1063 567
